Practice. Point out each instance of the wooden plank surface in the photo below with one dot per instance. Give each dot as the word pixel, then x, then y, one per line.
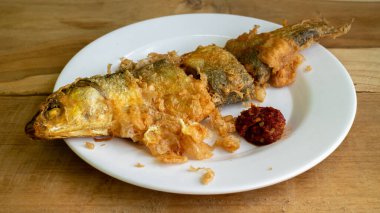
pixel 37 38
pixel 49 176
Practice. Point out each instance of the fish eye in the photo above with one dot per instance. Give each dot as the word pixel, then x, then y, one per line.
pixel 53 105
pixel 53 108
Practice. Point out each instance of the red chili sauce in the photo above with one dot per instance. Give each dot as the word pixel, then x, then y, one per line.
pixel 260 125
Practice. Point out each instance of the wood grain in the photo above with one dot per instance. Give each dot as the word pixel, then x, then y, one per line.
pixel 48 176
pixel 362 64
pixel 49 21
pixel 37 39
pixel 31 85
pixel 37 42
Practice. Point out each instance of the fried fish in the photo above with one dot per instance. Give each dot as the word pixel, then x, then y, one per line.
pixel 273 57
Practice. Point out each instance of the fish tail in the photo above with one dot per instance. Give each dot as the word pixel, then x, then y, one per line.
pixel 312 30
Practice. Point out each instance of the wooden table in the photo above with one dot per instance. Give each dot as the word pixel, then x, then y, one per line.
pixel 37 38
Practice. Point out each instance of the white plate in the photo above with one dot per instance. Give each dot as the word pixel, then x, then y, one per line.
pixel 319 108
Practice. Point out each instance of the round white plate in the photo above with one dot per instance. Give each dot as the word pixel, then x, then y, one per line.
pixel 319 108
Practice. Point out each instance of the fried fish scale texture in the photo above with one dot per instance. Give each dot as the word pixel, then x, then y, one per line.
pixel 228 81
pixel 139 102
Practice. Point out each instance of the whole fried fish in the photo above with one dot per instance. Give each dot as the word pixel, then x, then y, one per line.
pixel 141 101
pixel 273 57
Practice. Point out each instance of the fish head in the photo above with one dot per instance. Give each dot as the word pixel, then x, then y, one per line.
pixel 77 109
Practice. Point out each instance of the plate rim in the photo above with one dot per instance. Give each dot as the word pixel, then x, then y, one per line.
pixel 316 161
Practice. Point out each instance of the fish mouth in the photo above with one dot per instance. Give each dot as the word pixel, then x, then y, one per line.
pixel 29 127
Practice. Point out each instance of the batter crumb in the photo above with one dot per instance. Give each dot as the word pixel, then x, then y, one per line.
pixel 246 104
pixel 308 68
pixel 109 68
pixel 139 165
pixel 193 169
pixel 207 177
pixel 229 143
pixel 89 145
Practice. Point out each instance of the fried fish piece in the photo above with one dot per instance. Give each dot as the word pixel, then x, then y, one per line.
pixel 139 102
pixel 227 79
pixel 273 57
